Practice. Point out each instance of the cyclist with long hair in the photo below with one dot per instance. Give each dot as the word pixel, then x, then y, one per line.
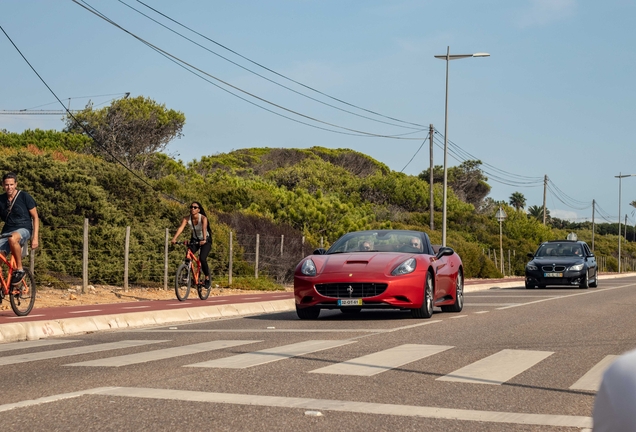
pixel 201 237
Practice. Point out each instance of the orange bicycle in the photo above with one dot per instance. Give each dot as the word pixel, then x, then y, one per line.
pixel 22 295
pixel 188 272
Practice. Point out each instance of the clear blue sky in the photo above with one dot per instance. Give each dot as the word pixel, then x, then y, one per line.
pixel 556 97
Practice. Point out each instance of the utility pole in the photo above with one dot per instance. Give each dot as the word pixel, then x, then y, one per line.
pixel 545 187
pixel 431 132
pixel 593 211
pixel 626 229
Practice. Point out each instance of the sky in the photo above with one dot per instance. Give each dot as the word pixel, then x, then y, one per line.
pixel 555 98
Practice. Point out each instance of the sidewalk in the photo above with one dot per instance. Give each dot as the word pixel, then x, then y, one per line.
pixel 63 321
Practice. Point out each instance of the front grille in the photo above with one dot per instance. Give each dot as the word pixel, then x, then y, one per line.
pixel 556 268
pixel 351 290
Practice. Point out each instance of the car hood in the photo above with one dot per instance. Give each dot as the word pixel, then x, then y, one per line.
pixel 367 261
pixel 557 260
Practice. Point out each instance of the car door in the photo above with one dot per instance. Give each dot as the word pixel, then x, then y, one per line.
pixel 591 262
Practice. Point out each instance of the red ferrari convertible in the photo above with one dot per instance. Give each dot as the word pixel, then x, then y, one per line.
pixel 380 269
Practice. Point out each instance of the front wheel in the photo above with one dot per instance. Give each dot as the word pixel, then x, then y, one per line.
pixel 585 282
pixel 182 282
pixel 426 310
pixel 22 296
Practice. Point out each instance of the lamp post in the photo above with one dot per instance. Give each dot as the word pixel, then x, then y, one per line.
pixel 620 177
pixel 501 215
pixel 449 57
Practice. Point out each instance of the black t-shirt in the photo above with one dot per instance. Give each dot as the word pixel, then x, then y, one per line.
pixel 19 217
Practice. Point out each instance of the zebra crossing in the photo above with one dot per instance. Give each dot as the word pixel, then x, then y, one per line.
pixel 495 369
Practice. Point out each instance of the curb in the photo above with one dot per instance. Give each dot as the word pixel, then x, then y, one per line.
pixel 33 330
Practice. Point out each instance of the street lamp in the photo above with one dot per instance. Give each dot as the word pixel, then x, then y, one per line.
pixel 449 57
pixel 620 177
pixel 501 215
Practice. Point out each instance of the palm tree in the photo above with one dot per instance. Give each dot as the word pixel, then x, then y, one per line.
pixel 517 200
pixel 537 212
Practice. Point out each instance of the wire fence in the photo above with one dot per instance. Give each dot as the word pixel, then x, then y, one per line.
pixel 123 257
pixel 126 257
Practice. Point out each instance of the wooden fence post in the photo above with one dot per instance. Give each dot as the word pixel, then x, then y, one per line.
pixel 302 247
pixel 230 263
pixel 256 259
pixel 282 238
pixel 85 258
pixel 165 260
pixel 126 251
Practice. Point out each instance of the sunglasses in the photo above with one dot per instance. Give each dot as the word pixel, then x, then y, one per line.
pixel 194 207
pixel 415 244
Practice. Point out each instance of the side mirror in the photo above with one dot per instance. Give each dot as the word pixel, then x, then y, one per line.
pixel 320 251
pixel 530 255
pixel 444 251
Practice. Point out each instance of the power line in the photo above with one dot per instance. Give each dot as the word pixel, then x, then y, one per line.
pixel 82 126
pixel 416 152
pixel 94 11
pixel 274 72
pixel 419 128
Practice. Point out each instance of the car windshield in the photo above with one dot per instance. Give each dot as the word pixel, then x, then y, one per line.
pixel 559 250
pixel 379 241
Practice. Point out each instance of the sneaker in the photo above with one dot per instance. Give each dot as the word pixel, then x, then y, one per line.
pixel 207 283
pixel 17 276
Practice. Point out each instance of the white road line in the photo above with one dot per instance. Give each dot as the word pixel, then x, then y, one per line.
pixel 321 405
pixel 592 291
pixel 251 298
pixel 135 307
pixel 85 311
pixel 382 361
pixel 480 312
pixel 458 316
pixel 256 358
pixel 25 317
pixel 511 296
pixel 45 355
pixel 490 304
pixel 180 304
pixel 261 331
pixel 162 354
pixel 592 379
pixel 31 344
pixel 497 368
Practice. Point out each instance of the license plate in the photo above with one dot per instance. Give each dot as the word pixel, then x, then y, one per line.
pixel 552 274
pixel 350 302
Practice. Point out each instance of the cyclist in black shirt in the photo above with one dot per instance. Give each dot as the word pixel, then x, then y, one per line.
pixel 20 216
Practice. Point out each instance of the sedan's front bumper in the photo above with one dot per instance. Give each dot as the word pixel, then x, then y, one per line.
pixel 569 277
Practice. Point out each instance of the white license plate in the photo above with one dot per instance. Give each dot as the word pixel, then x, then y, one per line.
pixel 552 274
pixel 350 302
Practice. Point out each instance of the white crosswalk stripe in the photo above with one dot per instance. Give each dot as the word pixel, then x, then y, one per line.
pixel 592 379
pixel 247 360
pixel 12 346
pixel 497 368
pixel 162 354
pixel 382 361
pixel 45 355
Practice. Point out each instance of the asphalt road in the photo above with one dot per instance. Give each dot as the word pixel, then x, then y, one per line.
pixel 513 360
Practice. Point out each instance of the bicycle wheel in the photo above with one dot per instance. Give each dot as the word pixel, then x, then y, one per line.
pixel 203 292
pixel 22 296
pixel 182 282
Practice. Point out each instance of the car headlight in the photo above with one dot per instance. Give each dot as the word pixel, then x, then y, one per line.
pixel 406 267
pixel 531 267
pixel 577 267
pixel 308 268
